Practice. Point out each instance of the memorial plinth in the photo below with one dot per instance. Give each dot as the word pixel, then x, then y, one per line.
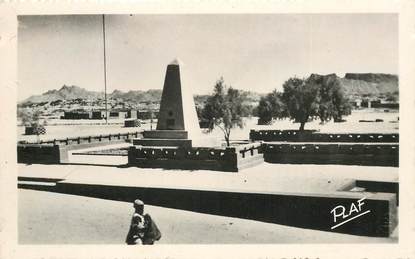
pixel 178 143
pixel 177 122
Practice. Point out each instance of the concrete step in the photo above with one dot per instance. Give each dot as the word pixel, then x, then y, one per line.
pixel 165 134
pixel 163 142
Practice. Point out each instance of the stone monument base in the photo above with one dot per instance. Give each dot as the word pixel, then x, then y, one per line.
pixel 165 134
pixel 164 138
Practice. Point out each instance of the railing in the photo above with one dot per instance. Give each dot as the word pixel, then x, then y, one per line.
pixel 248 150
pixel 85 139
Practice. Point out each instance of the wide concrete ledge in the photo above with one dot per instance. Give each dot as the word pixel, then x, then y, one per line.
pixel 153 142
pixel 303 210
pixel 165 134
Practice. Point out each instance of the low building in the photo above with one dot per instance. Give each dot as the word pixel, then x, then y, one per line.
pixel 147 114
pixel 132 114
pixel 100 114
pixel 76 115
pixel 357 103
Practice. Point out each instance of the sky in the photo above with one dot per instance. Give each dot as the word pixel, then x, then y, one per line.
pixel 256 52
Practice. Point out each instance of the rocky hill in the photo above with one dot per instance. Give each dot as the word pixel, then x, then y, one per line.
pixel 76 92
pixel 369 84
pixel 372 78
pixel 65 93
pixel 363 85
pixel 151 95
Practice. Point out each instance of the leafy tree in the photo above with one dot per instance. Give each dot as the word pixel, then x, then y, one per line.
pixel 317 96
pixel 301 99
pixel 225 109
pixel 341 105
pixel 199 110
pixel 332 104
pixel 271 107
pixel 29 118
pixel 392 97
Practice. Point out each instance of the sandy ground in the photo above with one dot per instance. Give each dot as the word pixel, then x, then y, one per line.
pixel 47 218
pixel 51 218
pixel 352 125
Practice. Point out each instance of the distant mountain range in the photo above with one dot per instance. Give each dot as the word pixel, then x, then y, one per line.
pixel 76 92
pixel 354 84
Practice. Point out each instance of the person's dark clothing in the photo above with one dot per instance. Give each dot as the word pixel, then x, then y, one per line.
pixel 146 236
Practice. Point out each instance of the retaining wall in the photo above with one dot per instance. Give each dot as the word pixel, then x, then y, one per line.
pixel 56 151
pixel 312 136
pixel 229 159
pixel 40 154
pixel 347 154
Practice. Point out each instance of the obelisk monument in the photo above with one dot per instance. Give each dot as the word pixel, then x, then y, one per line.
pixel 177 122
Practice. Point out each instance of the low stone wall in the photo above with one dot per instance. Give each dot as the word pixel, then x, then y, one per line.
pixel 229 159
pixel 312 211
pixel 348 154
pixel 40 154
pixel 56 151
pixel 312 136
pixel 35 130
pixel 132 123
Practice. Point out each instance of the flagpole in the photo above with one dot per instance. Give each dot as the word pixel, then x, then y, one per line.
pixel 105 70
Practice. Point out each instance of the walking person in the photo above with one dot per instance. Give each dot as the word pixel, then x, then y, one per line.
pixel 143 230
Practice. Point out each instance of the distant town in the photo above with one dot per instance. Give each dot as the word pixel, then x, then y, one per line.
pixel 76 103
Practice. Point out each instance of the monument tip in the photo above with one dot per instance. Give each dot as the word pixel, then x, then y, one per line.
pixel 176 62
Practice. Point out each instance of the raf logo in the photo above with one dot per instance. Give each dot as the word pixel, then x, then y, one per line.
pixel 345 214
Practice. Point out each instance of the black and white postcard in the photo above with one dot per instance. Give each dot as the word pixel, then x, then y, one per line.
pixel 195 129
